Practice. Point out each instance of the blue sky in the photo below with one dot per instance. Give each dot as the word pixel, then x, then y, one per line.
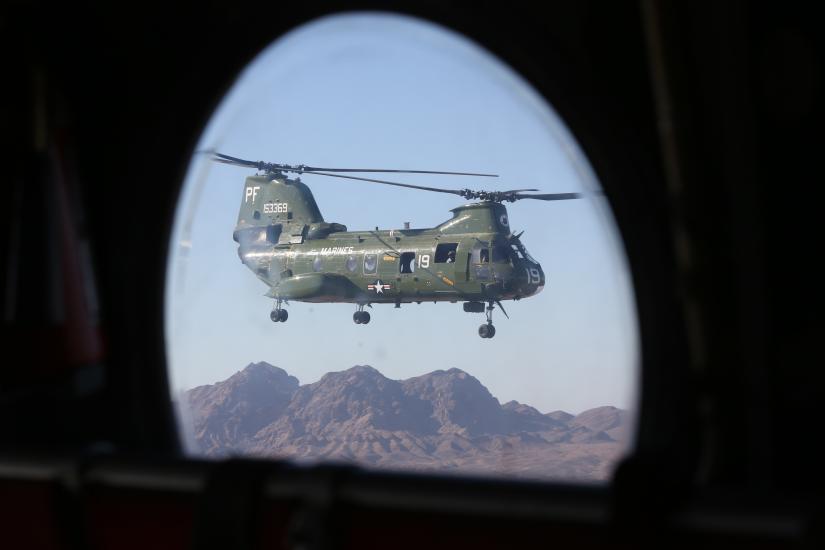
pixel 393 92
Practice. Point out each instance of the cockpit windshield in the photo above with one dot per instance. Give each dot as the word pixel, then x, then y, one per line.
pixel 521 251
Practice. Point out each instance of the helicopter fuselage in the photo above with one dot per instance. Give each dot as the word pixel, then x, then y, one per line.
pixel 471 257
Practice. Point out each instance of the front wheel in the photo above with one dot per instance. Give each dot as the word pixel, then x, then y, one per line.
pixel 484 331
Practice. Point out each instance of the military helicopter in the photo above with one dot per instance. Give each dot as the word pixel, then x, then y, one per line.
pixel 472 258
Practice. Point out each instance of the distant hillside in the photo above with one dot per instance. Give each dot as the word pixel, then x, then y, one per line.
pixel 444 421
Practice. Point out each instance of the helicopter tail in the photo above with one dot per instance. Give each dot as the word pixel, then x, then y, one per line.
pixel 284 205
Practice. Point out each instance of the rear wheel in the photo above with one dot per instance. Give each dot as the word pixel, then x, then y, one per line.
pixel 487 331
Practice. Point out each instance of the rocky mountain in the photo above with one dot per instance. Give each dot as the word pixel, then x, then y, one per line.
pixel 444 421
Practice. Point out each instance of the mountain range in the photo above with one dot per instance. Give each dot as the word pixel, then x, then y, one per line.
pixel 444 421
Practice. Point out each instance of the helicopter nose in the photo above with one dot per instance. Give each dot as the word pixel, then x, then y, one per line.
pixel 540 285
pixel 533 279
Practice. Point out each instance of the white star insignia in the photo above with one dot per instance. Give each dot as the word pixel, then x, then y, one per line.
pixel 378 287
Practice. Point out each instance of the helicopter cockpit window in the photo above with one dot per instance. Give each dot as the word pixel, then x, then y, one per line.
pixel 370 263
pixel 445 252
pixel 560 412
pixel 407 264
pixel 501 254
pixel 521 251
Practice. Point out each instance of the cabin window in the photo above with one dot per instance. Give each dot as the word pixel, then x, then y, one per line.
pixel 407 262
pixel 518 252
pixel 352 264
pixel 317 265
pixel 370 263
pixel 445 253
pixel 481 254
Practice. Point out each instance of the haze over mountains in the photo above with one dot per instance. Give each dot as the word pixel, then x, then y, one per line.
pixel 441 421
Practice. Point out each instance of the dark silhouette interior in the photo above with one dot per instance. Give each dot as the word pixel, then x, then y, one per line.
pixel 703 121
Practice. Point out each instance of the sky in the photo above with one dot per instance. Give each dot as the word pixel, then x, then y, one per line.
pixel 388 91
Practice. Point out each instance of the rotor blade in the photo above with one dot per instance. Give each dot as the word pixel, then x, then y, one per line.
pixel 518 190
pixel 550 196
pixel 502 309
pixel 315 169
pixel 408 185
pixel 301 168
pixel 226 159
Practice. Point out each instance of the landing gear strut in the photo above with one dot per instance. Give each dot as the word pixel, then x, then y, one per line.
pixel 361 317
pixel 277 314
pixel 488 330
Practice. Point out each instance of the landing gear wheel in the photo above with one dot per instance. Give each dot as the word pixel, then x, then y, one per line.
pixel 360 316
pixel 487 331
pixel 283 315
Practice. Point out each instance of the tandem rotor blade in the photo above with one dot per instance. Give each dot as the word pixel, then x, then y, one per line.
pixel 458 192
pixel 511 195
pixel 549 196
pixel 226 159
pixel 315 170
pixel 495 196
pixel 302 168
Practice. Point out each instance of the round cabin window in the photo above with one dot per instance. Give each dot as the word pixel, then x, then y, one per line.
pixel 427 372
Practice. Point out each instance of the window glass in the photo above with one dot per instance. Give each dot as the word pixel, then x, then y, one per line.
pixel 370 263
pixel 392 92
